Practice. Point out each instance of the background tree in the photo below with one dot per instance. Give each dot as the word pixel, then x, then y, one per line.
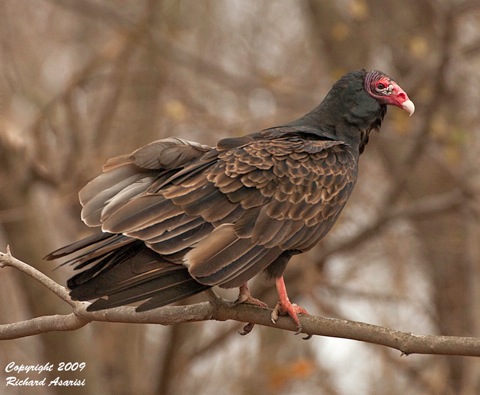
pixel 81 81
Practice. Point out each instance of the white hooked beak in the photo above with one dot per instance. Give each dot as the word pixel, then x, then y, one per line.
pixel 409 106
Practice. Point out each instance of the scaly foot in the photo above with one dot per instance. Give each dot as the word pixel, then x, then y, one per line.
pixel 245 296
pixel 285 307
pixel 290 309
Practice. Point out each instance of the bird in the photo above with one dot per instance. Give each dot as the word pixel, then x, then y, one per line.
pixel 177 217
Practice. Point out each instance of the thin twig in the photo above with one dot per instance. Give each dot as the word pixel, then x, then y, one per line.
pixel 7 259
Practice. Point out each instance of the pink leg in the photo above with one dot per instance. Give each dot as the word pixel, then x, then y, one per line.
pixel 244 296
pixel 285 307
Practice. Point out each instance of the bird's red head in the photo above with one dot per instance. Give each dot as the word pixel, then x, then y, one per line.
pixel 381 87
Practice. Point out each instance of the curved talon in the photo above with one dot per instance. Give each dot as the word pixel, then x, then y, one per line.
pixel 274 316
pixel 246 329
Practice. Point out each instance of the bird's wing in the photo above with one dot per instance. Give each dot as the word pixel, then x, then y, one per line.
pixel 227 214
pixel 127 176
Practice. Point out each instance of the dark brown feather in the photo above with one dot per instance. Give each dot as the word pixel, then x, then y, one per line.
pixel 270 184
pixel 180 217
pixel 232 216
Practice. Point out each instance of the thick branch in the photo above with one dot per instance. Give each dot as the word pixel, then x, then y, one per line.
pixel 39 325
pixel 222 310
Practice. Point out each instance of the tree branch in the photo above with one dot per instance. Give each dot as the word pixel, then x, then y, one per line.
pixel 7 259
pixel 221 310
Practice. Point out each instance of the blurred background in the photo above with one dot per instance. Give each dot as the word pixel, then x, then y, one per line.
pixel 81 81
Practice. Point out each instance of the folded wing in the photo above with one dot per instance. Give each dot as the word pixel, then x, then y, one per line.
pixel 191 215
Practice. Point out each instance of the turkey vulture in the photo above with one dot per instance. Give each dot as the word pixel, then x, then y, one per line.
pixel 178 217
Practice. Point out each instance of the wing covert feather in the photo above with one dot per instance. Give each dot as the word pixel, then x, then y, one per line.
pixel 230 214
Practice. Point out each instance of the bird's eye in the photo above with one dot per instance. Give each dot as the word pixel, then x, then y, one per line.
pixel 384 87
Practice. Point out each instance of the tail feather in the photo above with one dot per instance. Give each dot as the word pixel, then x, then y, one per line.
pixel 118 270
pixel 78 245
pixel 94 252
pixel 179 285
